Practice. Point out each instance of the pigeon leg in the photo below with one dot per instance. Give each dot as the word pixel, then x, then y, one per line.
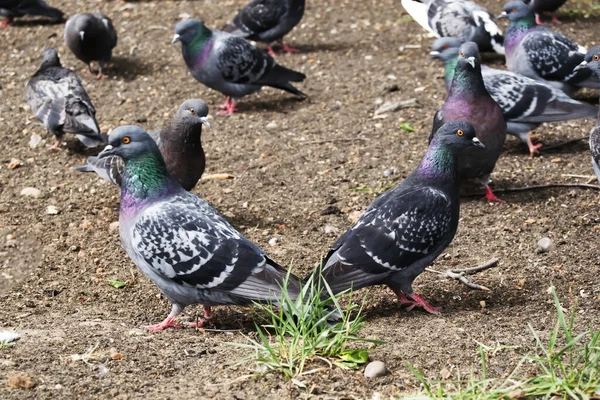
pixel 168 322
pixel 532 148
pixel 287 49
pixel 207 312
pixel 200 323
pixel 490 196
pixel 538 19
pixel 54 146
pixel 414 300
pixel 228 108
pixel 100 75
pixel 555 20
pixel 271 51
pixel 6 22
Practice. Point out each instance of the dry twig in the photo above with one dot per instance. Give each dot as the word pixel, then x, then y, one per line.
pixel 459 274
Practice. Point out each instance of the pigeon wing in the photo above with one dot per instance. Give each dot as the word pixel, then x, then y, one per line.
pixel 240 62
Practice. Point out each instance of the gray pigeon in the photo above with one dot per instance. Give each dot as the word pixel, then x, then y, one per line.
pixel 229 64
pixel 12 9
pixel 539 53
pixel 469 100
pixel 526 103
pixel 268 21
pixel 59 101
pixel 91 37
pixel 179 143
pixel 460 19
pixel 407 227
pixel 181 243
pixel 592 63
pixel 541 6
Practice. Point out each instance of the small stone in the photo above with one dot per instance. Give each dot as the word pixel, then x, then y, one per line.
pixel 330 229
pixel 271 125
pixel 375 369
pixel 544 245
pixel 113 227
pixel 34 140
pixel 51 210
pixel 31 192
pixel 14 163
pixel 273 242
pixel 482 304
pixel 74 248
pixel 388 173
pixel 117 356
pixel 261 369
pixel 20 381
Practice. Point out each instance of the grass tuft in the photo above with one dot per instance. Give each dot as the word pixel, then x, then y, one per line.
pixel 297 333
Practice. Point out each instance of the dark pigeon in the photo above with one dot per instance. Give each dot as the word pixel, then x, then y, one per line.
pixel 267 21
pixel 12 9
pixel 460 19
pixel 181 243
pixel 539 53
pixel 179 143
pixel 229 64
pixel 91 37
pixel 61 104
pixel 592 63
pixel 407 227
pixel 526 103
pixel 469 100
pixel 541 6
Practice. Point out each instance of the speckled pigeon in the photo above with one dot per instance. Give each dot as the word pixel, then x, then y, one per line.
pixel 180 242
pixel 59 101
pixel 91 37
pixel 539 53
pixel 592 63
pixel 460 19
pixel 18 8
pixel 179 143
pixel 407 227
pixel 268 21
pixel 469 100
pixel 230 64
pixel 541 6
pixel 526 103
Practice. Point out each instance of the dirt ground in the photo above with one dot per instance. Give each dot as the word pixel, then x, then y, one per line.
pixel 291 161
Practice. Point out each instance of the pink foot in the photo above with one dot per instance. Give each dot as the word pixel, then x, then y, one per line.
pixel 6 22
pixel 414 300
pixel 556 20
pixel 228 108
pixel 538 20
pixel 100 76
pixel 490 196
pixel 271 51
pixel 54 147
pixel 288 49
pixel 168 322
pixel 199 324
pixel 533 148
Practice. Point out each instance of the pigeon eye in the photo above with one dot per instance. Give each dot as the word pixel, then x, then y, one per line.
pixel 192 111
pixel 462 54
pixel 512 10
pixel 185 30
pixel 596 57
pixel 445 46
pixel 126 140
pixel 460 132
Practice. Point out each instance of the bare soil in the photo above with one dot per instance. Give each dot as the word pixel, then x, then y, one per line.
pixel 53 284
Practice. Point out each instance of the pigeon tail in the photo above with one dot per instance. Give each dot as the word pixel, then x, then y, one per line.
pixel 280 77
pixel 52 114
pixel 418 11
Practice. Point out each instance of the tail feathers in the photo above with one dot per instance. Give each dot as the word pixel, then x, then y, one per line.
pixel 109 168
pixel 288 87
pixel 86 128
pixel 563 111
pixel 498 44
pixel 42 9
pixel 52 114
pixel 280 77
pixel 418 11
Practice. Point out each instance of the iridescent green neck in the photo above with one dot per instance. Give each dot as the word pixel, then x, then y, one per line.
pixel 438 162
pixel 467 84
pixel 145 176
pixel 203 35
pixel 449 68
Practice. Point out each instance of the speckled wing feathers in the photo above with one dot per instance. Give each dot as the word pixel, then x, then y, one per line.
pixel 260 16
pixel 240 62
pixel 552 55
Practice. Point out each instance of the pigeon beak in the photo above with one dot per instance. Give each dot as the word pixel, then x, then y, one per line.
pixel 176 39
pixel 583 65
pixel 81 34
pixel 205 121
pixel 476 142
pixel 434 54
pixel 503 15
pixel 471 61
pixel 108 151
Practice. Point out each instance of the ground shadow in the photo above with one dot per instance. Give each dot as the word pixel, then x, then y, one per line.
pixel 128 68
pixel 279 105
pixel 27 23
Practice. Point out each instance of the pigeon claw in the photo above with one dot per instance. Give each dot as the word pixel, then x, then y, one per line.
pixel 228 108
pixel 271 51
pixel 555 20
pixel 167 323
pixel 288 49
pixel 538 20
pixel 6 22
pixel 414 300
pixel 490 196
pixel 54 147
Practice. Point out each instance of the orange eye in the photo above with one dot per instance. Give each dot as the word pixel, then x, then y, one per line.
pixel 192 111
pixel 513 10
pixel 445 46
pixel 126 140
pixel 462 54
pixel 460 132
pixel 596 57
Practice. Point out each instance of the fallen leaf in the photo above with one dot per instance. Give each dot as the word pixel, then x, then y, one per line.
pixel 117 284
pixel 14 163
pixel 517 394
pixel 445 373
pixel 117 356
pixel 20 381
pixel 529 221
pixel 406 127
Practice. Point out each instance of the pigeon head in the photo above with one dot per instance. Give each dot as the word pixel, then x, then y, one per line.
pixel 189 31
pixel 50 58
pixel 457 135
pixel 516 10
pixel 468 56
pixel 193 112
pixel 129 142
pixel 445 48
pixel 591 60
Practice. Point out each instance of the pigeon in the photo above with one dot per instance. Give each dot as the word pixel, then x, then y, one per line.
pixel 460 19
pixel 19 8
pixel 525 102
pixel 541 54
pixel 230 64
pixel 540 6
pixel 91 37
pixel 469 100
pixel 592 63
pixel 59 101
pixel 268 21
pixel 179 143
pixel 181 243
pixel 407 227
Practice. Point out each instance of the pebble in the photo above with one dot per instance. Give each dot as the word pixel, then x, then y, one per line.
pixel 261 369
pixel 31 192
pixel 14 163
pixel 51 210
pixel 388 172
pixel 273 241
pixel 34 140
pixel 544 245
pixel 330 229
pixel 113 227
pixel 375 369
pixel 271 125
